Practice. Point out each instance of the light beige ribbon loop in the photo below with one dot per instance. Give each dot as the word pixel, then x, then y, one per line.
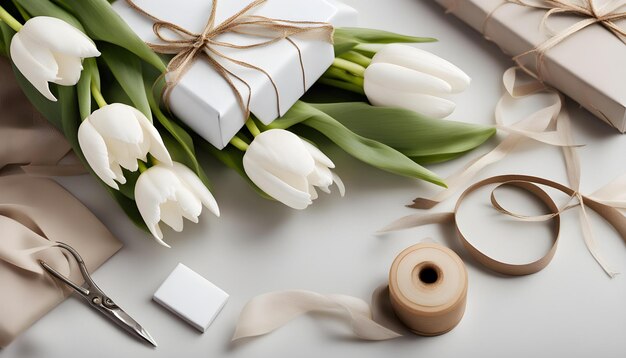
pixel 268 312
pixel 531 185
pixel 188 45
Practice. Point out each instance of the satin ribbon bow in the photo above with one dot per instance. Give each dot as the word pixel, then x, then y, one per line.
pixel 189 45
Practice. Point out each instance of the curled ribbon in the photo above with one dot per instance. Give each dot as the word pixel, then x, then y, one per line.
pixel 190 45
pixel 532 127
pixel 606 202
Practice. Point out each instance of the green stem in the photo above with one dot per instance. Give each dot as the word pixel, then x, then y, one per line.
pixel 239 143
pixel 97 95
pixel 342 85
pixel 357 58
pixel 142 166
pixel 252 127
pixel 10 20
pixel 339 74
pixel 349 66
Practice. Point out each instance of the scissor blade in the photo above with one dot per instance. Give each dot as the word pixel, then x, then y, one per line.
pixel 129 324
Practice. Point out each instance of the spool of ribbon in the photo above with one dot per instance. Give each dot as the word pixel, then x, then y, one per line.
pixel 427 292
pixel 428 288
pixel 190 45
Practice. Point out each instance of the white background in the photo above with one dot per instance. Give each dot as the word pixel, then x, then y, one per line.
pixel 570 309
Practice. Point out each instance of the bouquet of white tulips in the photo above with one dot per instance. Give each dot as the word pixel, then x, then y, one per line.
pixel 86 71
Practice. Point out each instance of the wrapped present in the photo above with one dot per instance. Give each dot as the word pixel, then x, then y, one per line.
pixel 580 53
pixel 274 76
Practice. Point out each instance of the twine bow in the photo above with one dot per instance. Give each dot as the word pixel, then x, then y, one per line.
pixel 607 15
pixel 189 45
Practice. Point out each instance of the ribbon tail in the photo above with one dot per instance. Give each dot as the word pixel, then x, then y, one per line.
pixel 268 312
pixel 416 220
pixel 591 242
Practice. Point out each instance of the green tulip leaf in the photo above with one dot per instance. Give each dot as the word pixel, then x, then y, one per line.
pixel 104 24
pixel 423 139
pixel 178 142
pixel 83 87
pixel 126 68
pixel 48 8
pixel 367 150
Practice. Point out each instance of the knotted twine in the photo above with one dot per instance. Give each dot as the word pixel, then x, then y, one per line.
pixel 189 45
pixel 606 15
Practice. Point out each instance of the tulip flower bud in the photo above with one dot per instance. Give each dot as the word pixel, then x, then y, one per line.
pixel 48 49
pixel 115 137
pixel 414 79
pixel 169 194
pixel 289 168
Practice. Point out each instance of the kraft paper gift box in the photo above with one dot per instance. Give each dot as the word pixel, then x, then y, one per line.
pixel 589 66
pixel 202 99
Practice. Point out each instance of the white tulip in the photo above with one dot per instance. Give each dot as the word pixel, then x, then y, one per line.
pixel 410 78
pixel 114 137
pixel 48 49
pixel 169 194
pixel 289 168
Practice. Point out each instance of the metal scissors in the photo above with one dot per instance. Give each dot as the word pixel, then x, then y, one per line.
pixel 98 299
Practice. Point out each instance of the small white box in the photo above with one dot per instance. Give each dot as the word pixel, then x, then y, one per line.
pixel 191 297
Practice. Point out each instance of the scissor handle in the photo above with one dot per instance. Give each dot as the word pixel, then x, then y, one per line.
pixel 85 291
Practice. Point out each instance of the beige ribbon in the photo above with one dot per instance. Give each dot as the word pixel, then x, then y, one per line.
pixel 27 140
pixel 270 311
pixel 532 127
pixel 30 219
pixel 606 15
pixel 607 202
pixel 190 45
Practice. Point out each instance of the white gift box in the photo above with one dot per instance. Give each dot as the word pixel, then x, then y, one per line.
pixel 203 99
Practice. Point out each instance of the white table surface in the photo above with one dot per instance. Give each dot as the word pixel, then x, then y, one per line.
pixel 570 309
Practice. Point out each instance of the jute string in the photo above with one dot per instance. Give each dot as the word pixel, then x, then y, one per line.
pixel 188 46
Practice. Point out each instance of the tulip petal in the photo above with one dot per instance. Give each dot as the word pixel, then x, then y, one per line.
pixel 426 105
pixel 423 61
pixel 38 68
pixel 280 152
pixel 313 192
pixel 117 121
pixel 276 187
pixel 70 68
pixel 95 151
pixel 190 205
pixel 321 177
pixel 124 154
pixel 153 188
pixel 196 186
pixel 318 155
pixel 172 215
pixel 156 146
pixel 340 185
pixel 59 36
pixel 399 78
